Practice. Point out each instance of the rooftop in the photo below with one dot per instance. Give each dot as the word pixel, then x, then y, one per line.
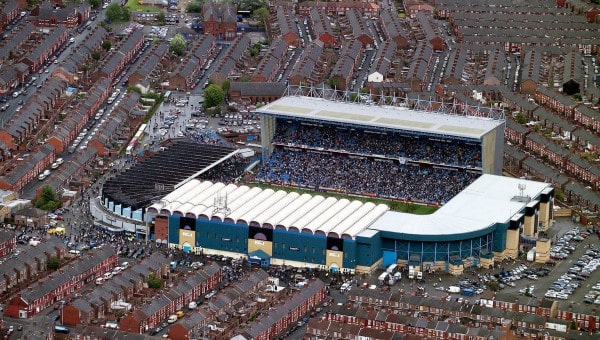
pixel 396 118
pixel 477 208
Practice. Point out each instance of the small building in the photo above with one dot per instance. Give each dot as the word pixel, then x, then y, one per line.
pixel 220 20
pixel 256 92
pixel 31 217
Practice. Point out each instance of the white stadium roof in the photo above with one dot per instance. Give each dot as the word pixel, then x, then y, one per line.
pixel 486 201
pixel 271 209
pixel 397 118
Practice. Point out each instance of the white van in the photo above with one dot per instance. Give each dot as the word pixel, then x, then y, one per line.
pixel 99 281
pixel 172 319
pixel 46 172
pixel 75 252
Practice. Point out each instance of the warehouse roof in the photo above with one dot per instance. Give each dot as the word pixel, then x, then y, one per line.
pixel 268 208
pixel 397 118
pixel 478 208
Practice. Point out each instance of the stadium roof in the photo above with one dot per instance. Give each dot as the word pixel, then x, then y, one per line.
pixel 160 174
pixel 391 117
pixel 268 208
pixel 475 210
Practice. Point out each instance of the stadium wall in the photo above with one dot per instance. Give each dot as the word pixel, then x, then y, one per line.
pixel 268 125
pixel 493 151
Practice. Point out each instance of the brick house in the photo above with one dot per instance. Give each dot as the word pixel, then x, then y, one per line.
pixel 430 31
pixel 122 55
pixel 8 243
pixel 321 26
pixel 584 170
pixel 227 64
pixel 220 20
pixel 545 148
pixel 58 285
pixel 587 117
pixel 151 65
pixel 309 67
pixel 8 13
pixel 27 169
pixel 147 316
pixel 392 28
pixel 45 15
pixel 74 123
pixel 347 62
pixel 185 74
pixel 122 287
pixel 271 63
pixel 32 263
pixel 46 48
pixel 564 105
pixel 256 92
pixel 340 8
pixel 277 319
pixel 358 29
pixel 287 25
pixel 192 322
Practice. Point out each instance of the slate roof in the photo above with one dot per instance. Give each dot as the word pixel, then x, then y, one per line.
pixel 258 88
pixel 76 268
pixel 280 311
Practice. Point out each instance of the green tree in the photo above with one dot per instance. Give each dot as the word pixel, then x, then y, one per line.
pixel 213 95
pixel 106 45
pixel 160 18
pixel 261 15
pixel 574 325
pixel 521 118
pixel 95 3
pixel 333 83
pixel 250 5
pixel 194 6
pixel 559 194
pixel 178 45
pixel 226 85
pixel 48 200
pixel 126 14
pixel 96 55
pixel 113 12
pixel 53 263
pixel 154 282
pixel 493 285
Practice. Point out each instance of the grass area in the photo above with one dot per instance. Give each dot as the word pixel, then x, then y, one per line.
pixel 402 15
pixel 135 7
pixel 412 208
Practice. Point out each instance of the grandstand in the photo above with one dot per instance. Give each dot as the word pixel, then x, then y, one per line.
pixel 131 191
pixel 384 151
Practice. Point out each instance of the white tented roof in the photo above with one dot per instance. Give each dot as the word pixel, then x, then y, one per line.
pixel 397 118
pixel 270 209
pixel 485 202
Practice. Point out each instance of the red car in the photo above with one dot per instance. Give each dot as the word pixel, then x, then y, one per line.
pixel 59 218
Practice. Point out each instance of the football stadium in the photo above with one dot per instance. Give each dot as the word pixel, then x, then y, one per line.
pixel 405 153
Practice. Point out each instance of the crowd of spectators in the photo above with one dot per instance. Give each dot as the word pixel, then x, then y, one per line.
pixel 228 171
pixel 364 176
pixel 393 145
